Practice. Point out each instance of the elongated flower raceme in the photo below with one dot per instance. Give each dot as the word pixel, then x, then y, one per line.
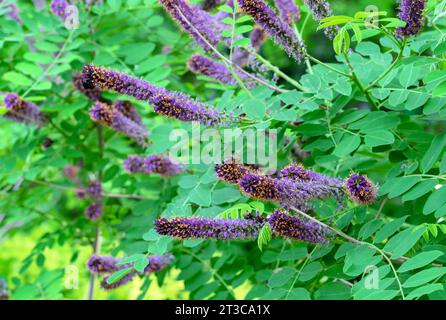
pixel 22 111
pixel 194 21
pixel 321 10
pixel 171 104
pixel 289 193
pixel 285 225
pixel 233 172
pixel 206 228
pixel 282 34
pixel 360 189
pixel 58 7
pixel 128 110
pixel 92 94
pixel 411 12
pixel 208 67
pixel 94 189
pixel 112 118
pixel 159 164
pixel 208 5
pixel 289 12
pixel 102 264
pixel 157 263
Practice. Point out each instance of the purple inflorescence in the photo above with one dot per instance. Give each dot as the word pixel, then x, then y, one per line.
pixel 321 10
pixel 128 110
pixel 13 12
pixel 205 228
pixel 159 164
pixel 289 193
pixel 172 104
pixel 360 189
pixel 196 22
pixel 157 263
pixel 285 225
pixel 282 34
pixel 411 12
pixel 233 172
pixel 208 67
pixel 94 189
pixel 93 211
pixel 208 5
pixel 297 172
pixel 112 118
pixel 22 111
pixel 58 7
pixel 289 12
pixel 102 264
pixel 92 94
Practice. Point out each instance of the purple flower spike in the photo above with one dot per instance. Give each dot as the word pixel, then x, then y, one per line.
pixel 321 10
pixel 157 263
pixel 102 264
pixel 94 189
pixel 198 22
pixel 93 211
pixel 297 172
pixel 361 189
pixel 208 5
pixel 92 94
pixel 289 12
pixel 205 228
pixel 22 111
pixel 208 67
pixel 172 104
pixel 125 279
pixel 112 118
pixel 152 164
pixel 128 110
pixel 285 225
pixel 233 172
pixel 282 34
pixel 411 12
pixel 58 7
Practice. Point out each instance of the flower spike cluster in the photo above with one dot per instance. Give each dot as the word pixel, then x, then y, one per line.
pixel 107 264
pixel 22 111
pixel 208 5
pixel 159 164
pixel 203 65
pixel 282 34
pixel 411 12
pixel 93 94
pixel 171 104
pixel 233 172
pixel 285 225
pixel 112 118
pixel 361 189
pixel 196 22
pixel 321 10
pixel 289 12
pixel 206 228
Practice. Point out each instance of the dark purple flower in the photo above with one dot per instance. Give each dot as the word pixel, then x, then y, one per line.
pixel 172 104
pixel 194 21
pixel 157 263
pixel 159 164
pixel 22 111
pixel 58 7
pixel 297 172
pixel 47 142
pixel 71 171
pixel 13 12
pixel 208 5
pixel 208 67
pixel 125 279
pixel 112 118
pixel 205 228
pixel 285 225
pixel 282 34
pixel 94 189
pixel 93 211
pixel 233 172
pixel 321 10
pixel 92 94
pixel 128 110
pixel 102 264
pixel 361 189
pixel 289 12
pixel 411 12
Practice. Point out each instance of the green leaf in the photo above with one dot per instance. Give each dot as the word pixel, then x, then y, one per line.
pixel 17 78
pixel 118 275
pixel 402 242
pixel 293 254
pixel 424 276
pixel 389 229
pixel 281 276
pixel 420 190
pixel 409 75
pixel 264 236
pixel 402 184
pixel 379 138
pixel 433 153
pixel 347 145
pixel 333 291
pixel 427 289
pixel 420 260
pixel 435 200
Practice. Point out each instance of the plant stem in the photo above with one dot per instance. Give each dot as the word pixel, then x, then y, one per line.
pixel 328 66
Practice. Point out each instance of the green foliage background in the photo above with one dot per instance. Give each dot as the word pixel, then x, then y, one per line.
pixel 400 145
